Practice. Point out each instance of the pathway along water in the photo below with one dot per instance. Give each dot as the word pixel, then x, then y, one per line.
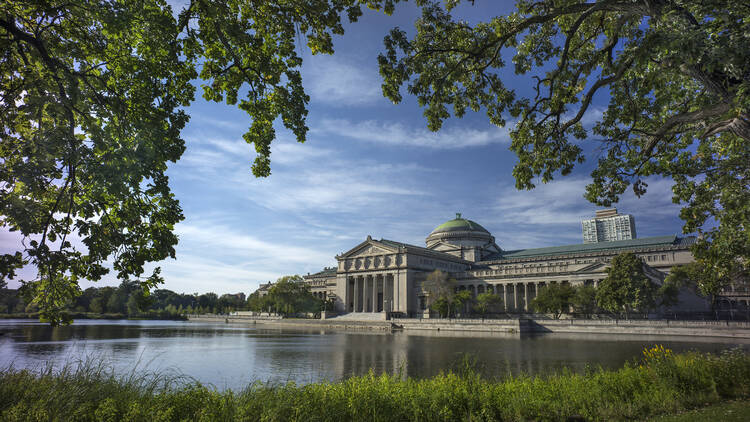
pixel 233 355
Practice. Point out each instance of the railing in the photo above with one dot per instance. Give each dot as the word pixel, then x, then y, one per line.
pixel 452 320
pixel 600 322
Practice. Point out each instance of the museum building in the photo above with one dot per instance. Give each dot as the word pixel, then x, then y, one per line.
pixel 386 276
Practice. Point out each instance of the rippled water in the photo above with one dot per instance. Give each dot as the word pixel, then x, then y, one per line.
pixel 232 356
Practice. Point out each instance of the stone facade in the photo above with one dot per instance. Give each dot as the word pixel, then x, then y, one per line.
pixel 386 276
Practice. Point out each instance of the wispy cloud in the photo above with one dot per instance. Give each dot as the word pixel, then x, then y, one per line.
pixel 332 81
pixel 304 177
pixel 393 133
pixel 551 213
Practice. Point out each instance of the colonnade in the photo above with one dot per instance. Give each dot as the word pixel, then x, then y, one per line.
pixel 517 296
pixel 372 293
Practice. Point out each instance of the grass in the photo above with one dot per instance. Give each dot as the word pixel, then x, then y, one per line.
pixel 735 411
pixel 661 383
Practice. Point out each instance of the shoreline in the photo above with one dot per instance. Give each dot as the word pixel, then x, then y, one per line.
pixel 661 383
pixel 520 326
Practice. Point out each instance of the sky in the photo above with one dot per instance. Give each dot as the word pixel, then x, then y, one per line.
pixel 369 167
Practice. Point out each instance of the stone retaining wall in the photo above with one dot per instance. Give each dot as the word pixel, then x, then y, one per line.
pixel 464 325
pixel 278 322
pixel 737 329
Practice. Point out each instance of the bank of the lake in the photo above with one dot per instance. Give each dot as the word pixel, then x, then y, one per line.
pixel 727 329
pixel 231 356
pixel 155 315
pixel 661 383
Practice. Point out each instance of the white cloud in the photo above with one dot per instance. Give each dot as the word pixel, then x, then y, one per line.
pixel 304 177
pixel 551 213
pixel 391 133
pixel 332 81
pixel 224 258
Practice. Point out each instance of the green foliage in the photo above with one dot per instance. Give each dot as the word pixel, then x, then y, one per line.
pixel 708 281
pixel 662 383
pixel 486 302
pixel 554 299
pixel 93 101
pixel 584 300
pixel 440 289
pixel 627 288
pixel 291 295
pixel 128 300
pixel 676 74
pixel 461 301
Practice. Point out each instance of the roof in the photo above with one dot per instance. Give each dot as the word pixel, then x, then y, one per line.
pixel 597 247
pixel 327 271
pixel 459 224
pixel 402 245
pixel 395 244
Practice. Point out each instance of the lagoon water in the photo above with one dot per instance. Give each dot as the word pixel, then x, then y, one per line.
pixel 233 355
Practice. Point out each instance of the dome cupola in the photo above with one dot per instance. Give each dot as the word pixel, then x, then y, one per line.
pixel 461 237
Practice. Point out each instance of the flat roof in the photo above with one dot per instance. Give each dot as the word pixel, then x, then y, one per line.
pixel 596 247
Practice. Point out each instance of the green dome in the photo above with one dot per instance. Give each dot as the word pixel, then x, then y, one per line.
pixel 459 224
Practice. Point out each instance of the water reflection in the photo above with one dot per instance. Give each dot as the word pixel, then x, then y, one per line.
pixel 232 356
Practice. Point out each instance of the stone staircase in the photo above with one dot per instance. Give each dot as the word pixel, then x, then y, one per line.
pixel 360 316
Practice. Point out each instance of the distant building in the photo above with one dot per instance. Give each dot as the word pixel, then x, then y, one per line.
pixel 608 226
pixel 386 276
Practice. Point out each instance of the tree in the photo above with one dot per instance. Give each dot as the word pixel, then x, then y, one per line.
pixel 708 282
pixel 96 305
pixel 92 104
pixel 554 299
pixel 486 301
pixel 584 300
pixel 440 289
pixel 461 300
pixel 677 74
pixel 626 287
pixel 132 306
pixel 291 295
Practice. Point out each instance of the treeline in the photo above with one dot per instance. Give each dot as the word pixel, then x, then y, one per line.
pixel 289 295
pixel 129 300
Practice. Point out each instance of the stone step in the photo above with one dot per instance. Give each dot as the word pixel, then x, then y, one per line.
pixel 360 316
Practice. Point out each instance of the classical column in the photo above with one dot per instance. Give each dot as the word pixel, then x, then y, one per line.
pixel 363 301
pixel 388 287
pixel 394 293
pixel 526 297
pixel 374 293
pixel 366 294
pixel 348 295
pixel 356 294
pixel 515 297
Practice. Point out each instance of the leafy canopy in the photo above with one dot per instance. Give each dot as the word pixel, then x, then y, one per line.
pixel 291 295
pixel 677 75
pixel 627 288
pixel 92 95
pixel 555 299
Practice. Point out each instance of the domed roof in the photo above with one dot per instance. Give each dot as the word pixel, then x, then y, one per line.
pixel 459 224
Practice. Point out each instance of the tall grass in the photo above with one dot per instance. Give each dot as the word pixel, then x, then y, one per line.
pixel 660 383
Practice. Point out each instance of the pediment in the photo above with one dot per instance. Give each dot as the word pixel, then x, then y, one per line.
pixel 369 248
pixel 593 267
pixel 443 246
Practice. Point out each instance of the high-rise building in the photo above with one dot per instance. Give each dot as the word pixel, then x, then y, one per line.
pixel 608 226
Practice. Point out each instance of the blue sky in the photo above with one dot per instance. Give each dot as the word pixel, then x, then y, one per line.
pixel 368 168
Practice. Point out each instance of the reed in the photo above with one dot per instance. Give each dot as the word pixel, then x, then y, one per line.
pixel 660 383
